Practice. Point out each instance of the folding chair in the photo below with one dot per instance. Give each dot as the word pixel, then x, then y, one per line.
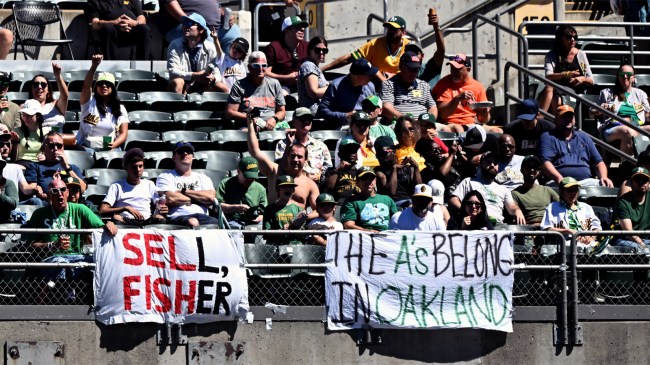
pixel 31 19
pixel 165 101
pixel 219 160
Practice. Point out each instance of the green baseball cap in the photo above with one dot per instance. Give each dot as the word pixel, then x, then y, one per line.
pixel 325 198
pixel 427 118
pixel 569 182
pixel 285 180
pixel 640 171
pixel 365 170
pixel 360 117
pixel 396 22
pixel 249 167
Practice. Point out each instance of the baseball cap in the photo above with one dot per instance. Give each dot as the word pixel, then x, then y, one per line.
pixel 528 109
pixel 72 181
pixel 303 112
pixel 531 159
pixel 360 117
pixel 362 67
pixel 427 118
pixel 488 155
pixel 459 61
pixel 347 146
pixel 475 137
pixel 563 109
pixel 382 142
pixel 249 167
pixel 437 191
pixel 396 22
pixel 423 190
pixel 4 137
pixel 293 21
pixel 241 43
pixel 5 76
pixel 285 180
pixel 365 170
pixel 196 18
pixel 413 47
pixel 410 60
pixel 568 182
pixel 640 171
pixel 183 146
pixel 373 100
pixel 131 154
pixel 31 107
pixel 106 77
pixel 325 198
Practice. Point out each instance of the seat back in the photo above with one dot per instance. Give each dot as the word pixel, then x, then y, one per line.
pixel 82 159
pixel 219 160
pixel 31 19
pixel 105 176
pixel 261 254
pixel 306 254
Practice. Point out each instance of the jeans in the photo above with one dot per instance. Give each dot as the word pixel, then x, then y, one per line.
pixel 630 243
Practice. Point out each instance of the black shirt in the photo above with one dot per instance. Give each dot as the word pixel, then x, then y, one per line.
pixel 527 140
pixel 113 9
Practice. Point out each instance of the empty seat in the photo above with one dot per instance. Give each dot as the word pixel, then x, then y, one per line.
pixel 200 140
pixel 75 79
pixel 263 254
pixel 219 160
pixel 17 97
pixel 131 102
pixel 141 115
pixel 147 145
pixel 9 240
pixel 136 81
pixel 102 158
pixel 601 196
pixel 215 175
pixel 641 143
pixel 165 101
pixel 186 115
pixel 329 137
pixel 93 189
pixel 151 158
pixel 104 176
pixel 71 116
pixel 142 135
pixel 201 120
pixel 82 159
pixel 269 139
pixel 269 154
pixel 230 140
pixel 601 81
pixel 306 254
pixel 214 101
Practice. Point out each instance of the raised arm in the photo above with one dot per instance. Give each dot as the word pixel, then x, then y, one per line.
pixel 87 89
pixel 266 166
pixel 61 103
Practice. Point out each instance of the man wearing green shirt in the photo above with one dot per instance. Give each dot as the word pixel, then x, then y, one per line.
pixel 367 210
pixel 242 198
pixel 373 106
pixel 280 214
pixel 633 210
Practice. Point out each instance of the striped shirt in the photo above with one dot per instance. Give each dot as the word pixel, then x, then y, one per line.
pixel 414 98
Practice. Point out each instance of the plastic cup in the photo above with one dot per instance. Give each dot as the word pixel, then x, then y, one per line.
pixel 106 141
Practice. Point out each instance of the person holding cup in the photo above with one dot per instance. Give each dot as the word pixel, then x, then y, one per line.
pixel 104 120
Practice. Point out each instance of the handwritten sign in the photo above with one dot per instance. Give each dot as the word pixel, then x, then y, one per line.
pixel 169 276
pixel 414 279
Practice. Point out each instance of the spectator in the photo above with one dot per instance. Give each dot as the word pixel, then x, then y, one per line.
pixel 477 142
pixel 6 40
pixel 395 178
pixel 8 194
pixel 531 197
pixel 280 214
pixel 455 94
pixel 627 102
pixel 28 138
pixel 367 210
pixel 643 161
pixel 509 168
pixel 287 54
pixel 326 207
pixel 359 129
pixel 74 188
pixel 53 111
pixel 419 217
pixel 319 158
pixel 270 18
pixel 438 206
pixel 345 94
pixel 13 171
pixel 432 69
pixel 404 93
pixel 9 111
pixel 55 165
pixel 566 65
pixel 408 133
pixel 292 164
pixel 569 216
pixel 242 198
pixel 429 128
pixel 188 193
pixel 528 129
pixel 102 114
pixel 231 63
pixel 191 59
pixel 340 181
pixel 383 52
pixel 311 80
pixel 373 106
pixel 129 201
pixel 64 248
pixel 172 11
pixel 439 165
pixel 472 214
pixel 120 23
pixel 632 212
pixel 257 91
pixel 496 195
pixel 568 152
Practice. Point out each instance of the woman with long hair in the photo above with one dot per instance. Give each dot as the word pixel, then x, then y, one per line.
pixel 53 111
pixel 407 130
pixel 104 120
pixel 29 136
pixel 472 214
pixel 627 102
pixel 311 80
pixel 566 65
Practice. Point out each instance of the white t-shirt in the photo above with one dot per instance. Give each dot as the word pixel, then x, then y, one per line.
pixel 496 196
pixel 51 116
pixel 335 225
pixel 140 197
pixel 170 180
pixel 92 135
pixel 14 173
pixel 231 70
pixel 407 220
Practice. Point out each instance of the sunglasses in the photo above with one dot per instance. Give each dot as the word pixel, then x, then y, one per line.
pixel 55 145
pixel 57 191
pixel 321 50
pixel 460 60
pixel 508 146
pixel 473 204
pixel 5 144
pixel 628 74
pixel 259 66
pixel 104 84
pixel 189 24
pixel 42 85
pixel 569 37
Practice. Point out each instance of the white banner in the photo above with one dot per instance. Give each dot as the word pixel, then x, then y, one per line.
pixel 187 276
pixel 411 279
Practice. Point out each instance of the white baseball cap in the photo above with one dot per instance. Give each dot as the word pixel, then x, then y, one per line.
pixel 422 190
pixel 437 191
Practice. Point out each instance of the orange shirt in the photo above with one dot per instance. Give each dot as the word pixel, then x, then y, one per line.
pixel 446 89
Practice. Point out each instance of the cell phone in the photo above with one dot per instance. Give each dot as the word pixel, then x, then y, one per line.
pixel 209 68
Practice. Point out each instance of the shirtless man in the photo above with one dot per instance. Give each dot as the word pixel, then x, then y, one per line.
pixel 291 164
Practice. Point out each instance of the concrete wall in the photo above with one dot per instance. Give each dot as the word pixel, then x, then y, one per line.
pixel 310 343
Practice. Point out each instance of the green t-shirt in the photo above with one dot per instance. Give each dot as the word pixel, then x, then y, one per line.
pixel 379 130
pixel 76 216
pixel 230 191
pixel 275 217
pixel 639 214
pixel 369 213
pixel 533 202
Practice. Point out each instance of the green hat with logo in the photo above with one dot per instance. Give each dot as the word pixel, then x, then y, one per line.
pixel 249 167
pixel 396 22
pixel 427 118
pixel 360 117
pixel 569 182
pixel 285 180
pixel 640 171
pixel 365 170
pixel 325 198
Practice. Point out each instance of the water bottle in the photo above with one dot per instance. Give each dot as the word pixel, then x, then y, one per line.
pixel 162 201
pixel 225 24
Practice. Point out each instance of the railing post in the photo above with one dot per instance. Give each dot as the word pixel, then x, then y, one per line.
pixel 497 48
pixel 574 326
pixel 475 48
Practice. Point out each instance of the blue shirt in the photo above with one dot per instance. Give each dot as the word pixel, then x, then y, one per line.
pixel 43 172
pixel 341 98
pixel 573 157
